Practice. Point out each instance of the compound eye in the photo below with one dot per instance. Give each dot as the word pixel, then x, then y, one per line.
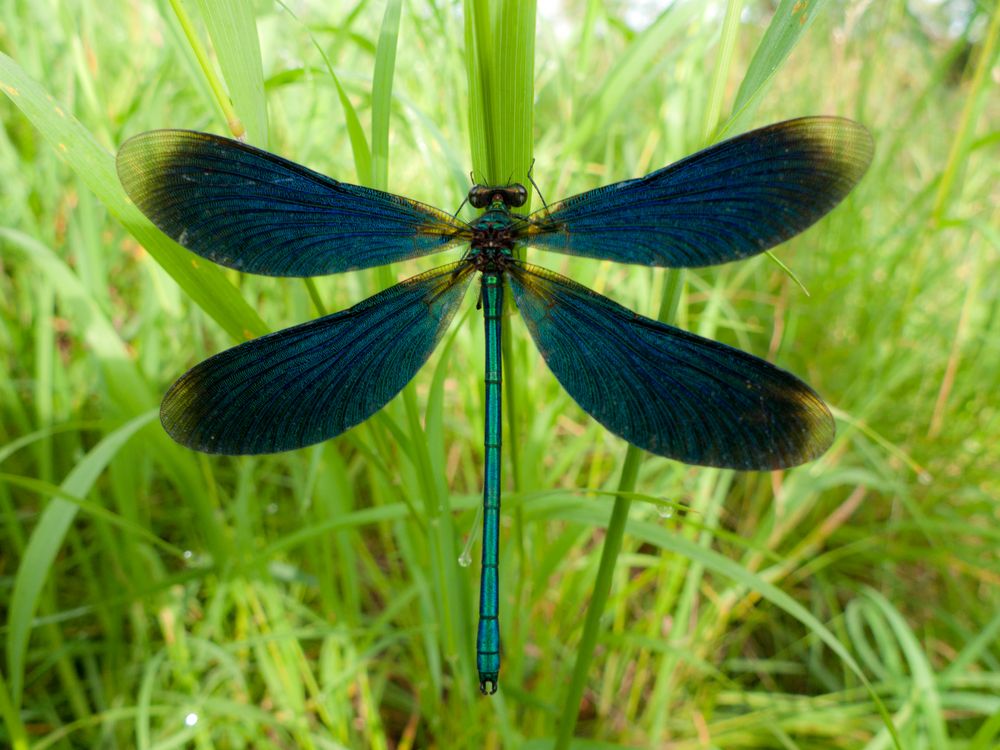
pixel 479 196
pixel 518 195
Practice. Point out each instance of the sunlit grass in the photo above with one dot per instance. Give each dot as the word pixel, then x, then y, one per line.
pixel 315 599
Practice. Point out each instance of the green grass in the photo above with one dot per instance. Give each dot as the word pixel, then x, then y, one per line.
pixel 315 599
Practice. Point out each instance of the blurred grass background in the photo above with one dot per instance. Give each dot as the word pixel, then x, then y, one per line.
pixel 151 597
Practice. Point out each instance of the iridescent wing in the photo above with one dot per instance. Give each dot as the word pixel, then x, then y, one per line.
pixel 311 382
pixel 248 209
pixel 730 201
pixel 667 390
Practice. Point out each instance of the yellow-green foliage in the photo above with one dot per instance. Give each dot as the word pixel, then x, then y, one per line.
pixel 153 597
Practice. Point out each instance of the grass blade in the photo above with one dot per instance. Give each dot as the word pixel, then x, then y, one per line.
pixel 609 554
pixel 385 66
pixel 500 38
pixel 203 282
pixel 233 29
pixel 46 540
pixel 790 22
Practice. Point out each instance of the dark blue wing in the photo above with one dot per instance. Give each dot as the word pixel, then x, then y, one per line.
pixel 667 390
pixel 308 383
pixel 247 209
pixel 732 200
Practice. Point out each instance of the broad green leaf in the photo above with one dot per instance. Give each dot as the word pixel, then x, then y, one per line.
pixel 500 44
pixel 385 68
pixel 233 28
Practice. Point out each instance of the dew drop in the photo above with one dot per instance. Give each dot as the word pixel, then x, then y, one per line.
pixel 465 559
pixel 191 719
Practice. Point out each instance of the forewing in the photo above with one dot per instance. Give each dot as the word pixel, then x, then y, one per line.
pixel 311 382
pixel 666 390
pixel 248 209
pixel 730 201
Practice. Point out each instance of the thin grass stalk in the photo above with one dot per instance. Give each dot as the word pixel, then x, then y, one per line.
pixel 672 285
pixel 712 489
pixel 455 635
pixel 727 45
pixel 232 27
pixel 959 150
pixel 222 99
pixel 957 156
pixel 16 732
